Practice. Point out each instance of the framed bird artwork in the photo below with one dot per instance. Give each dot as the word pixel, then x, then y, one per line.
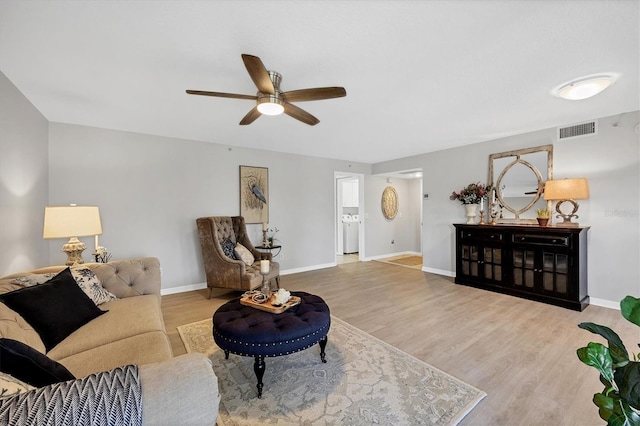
pixel 254 194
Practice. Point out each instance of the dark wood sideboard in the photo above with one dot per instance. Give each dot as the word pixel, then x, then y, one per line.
pixel 546 264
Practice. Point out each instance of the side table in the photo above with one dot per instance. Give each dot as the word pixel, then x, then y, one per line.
pixel 270 249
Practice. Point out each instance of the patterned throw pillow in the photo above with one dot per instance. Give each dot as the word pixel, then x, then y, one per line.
pixel 244 254
pixel 10 386
pixel 33 279
pixel 91 285
pixel 227 248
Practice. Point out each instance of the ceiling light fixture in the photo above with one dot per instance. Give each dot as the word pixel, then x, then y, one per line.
pixel 270 104
pixel 584 87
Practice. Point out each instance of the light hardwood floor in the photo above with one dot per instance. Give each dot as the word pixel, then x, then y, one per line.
pixel 521 353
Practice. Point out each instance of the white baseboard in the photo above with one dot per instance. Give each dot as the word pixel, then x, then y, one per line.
pixel 202 286
pixel 183 289
pixel 399 253
pixel 307 268
pixel 439 272
pixel 604 303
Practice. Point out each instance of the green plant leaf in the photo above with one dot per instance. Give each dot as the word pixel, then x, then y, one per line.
pixel 597 355
pixel 630 308
pixel 604 404
pixel 628 380
pixel 619 353
pixel 623 415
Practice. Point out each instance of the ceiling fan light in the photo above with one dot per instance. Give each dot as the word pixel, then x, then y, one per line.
pixel 585 87
pixel 270 105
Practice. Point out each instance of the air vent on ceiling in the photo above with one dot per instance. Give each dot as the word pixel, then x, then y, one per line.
pixel 578 130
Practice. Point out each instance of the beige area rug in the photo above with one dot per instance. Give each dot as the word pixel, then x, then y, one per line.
pixel 410 261
pixel 365 381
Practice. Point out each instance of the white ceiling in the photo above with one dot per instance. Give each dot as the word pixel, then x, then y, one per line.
pixel 420 76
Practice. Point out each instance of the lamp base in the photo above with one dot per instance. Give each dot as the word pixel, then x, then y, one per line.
pixel 74 249
pixel 566 217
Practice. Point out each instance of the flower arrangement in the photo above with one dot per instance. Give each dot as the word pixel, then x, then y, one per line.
pixel 271 235
pixel 102 255
pixel 472 193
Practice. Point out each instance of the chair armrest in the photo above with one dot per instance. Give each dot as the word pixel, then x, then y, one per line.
pixel 183 390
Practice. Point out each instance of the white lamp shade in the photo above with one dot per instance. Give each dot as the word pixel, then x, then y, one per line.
pixel 566 189
pixel 71 221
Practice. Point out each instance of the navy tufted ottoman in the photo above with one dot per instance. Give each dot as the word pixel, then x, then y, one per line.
pixel 246 331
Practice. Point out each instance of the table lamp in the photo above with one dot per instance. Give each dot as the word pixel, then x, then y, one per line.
pixel 567 190
pixel 72 222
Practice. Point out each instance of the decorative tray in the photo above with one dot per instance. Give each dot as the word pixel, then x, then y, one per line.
pixel 268 307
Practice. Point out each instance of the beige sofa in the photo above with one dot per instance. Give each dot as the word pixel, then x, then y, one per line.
pixel 181 390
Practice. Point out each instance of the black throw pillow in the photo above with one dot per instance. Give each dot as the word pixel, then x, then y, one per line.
pixel 227 248
pixel 27 364
pixel 54 309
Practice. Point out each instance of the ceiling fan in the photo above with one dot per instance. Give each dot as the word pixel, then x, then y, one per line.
pixel 270 100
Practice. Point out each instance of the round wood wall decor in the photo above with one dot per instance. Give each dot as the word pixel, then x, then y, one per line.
pixel 389 202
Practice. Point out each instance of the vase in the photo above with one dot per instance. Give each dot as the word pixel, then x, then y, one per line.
pixel 471 213
pixel 542 221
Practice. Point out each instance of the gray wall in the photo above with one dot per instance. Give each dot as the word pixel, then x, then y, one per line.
pixel 151 189
pixel 23 181
pixel 403 230
pixel 610 161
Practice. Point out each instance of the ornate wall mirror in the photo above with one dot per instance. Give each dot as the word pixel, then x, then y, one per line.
pixel 519 177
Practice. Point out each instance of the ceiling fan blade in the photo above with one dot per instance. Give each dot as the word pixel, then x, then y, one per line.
pixel 258 73
pixel 300 114
pixel 221 95
pixel 251 116
pixel 316 94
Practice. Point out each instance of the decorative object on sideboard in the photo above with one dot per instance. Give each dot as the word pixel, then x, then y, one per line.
pixel 470 196
pixel 567 191
pixel 389 203
pixel 71 222
pixel 518 178
pixel 543 216
pixel 254 194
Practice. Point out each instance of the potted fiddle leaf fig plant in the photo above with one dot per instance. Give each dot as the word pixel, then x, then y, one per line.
pixel 619 402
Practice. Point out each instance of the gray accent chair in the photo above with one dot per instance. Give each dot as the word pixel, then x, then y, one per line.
pixel 221 270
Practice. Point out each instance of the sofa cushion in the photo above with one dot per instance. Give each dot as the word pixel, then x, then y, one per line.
pixel 55 309
pixel 131 332
pixel 90 284
pixel 84 276
pixel 244 254
pixel 13 326
pixel 27 364
pixel 227 248
pixel 10 386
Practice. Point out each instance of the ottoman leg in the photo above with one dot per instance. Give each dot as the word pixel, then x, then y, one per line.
pixel 323 344
pixel 226 354
pixel 258 368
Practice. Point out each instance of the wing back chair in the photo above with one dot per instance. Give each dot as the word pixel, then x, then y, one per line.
pixel 223 271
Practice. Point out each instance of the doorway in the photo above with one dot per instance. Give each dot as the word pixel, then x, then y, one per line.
pixel 349 217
